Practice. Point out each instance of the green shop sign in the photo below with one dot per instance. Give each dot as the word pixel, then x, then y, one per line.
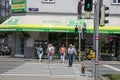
pixel 18 6
pixel 75 22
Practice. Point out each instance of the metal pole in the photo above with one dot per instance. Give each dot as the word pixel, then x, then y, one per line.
pixel 79 44
pixel 79 17
pixel 97 40
pixel 94 42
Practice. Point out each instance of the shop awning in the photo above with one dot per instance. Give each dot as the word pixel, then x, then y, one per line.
pixel 52 24
pixel 34 23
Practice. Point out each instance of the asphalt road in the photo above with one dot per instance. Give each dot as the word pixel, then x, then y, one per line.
pixel 5 66
pixel 106 67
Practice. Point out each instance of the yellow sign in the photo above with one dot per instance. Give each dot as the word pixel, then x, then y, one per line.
pixel 18 6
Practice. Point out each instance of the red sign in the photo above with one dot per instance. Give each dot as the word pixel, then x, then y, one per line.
pixel 96 63
pixel 97 38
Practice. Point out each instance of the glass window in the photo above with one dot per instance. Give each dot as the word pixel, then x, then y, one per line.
pixel 118 1
pixel 115 1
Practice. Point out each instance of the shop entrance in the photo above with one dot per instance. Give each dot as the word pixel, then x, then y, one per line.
pixel 57 39
pixel 19 45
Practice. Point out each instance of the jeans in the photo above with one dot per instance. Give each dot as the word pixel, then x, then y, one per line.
pixel 71 57
pixel 40 56
pixel 50 58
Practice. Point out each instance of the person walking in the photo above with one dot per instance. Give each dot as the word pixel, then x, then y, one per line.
pixel 50 52
pixel 71 51
pixel 62 51
pixel 75 53
pixel 39 52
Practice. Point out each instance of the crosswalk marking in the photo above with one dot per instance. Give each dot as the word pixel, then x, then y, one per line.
pixel 111 67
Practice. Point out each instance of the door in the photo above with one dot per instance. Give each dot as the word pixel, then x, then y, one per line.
pixel 19 45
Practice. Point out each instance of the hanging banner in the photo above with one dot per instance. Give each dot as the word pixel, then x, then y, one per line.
pixel 18 6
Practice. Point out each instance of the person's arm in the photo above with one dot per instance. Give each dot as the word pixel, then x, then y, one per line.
pixel 68 50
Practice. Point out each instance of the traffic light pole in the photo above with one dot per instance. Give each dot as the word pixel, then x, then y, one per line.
pixel 96 32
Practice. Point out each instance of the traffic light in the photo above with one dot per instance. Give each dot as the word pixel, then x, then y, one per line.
pixel 76 30
pixel 84 33
pixel 88 5
pixel 102 15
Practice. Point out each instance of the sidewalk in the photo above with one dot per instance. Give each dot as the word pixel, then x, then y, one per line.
pixel 33 70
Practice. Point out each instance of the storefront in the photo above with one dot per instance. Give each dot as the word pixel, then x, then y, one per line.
pixel 39 28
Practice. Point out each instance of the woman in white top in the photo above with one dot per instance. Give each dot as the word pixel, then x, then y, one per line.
pixel 50 52
pixel 40 52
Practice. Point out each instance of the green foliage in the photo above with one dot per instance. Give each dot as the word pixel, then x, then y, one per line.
pixel 113 76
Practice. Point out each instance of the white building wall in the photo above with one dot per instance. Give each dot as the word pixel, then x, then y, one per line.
pixel 113 8
pixel 60 6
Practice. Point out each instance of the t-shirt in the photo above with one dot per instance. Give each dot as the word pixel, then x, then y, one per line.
pixel 51 50
pixel 71 50
pixel 41 50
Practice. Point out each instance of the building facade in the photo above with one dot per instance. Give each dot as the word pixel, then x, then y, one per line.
pixel 59 13
pixel 4 9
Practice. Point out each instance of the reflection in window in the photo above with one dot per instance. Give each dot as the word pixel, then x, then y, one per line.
pixel 118 1
pixel 114 1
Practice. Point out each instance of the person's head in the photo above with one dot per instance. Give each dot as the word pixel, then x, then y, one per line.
pixel 49 45
pixel 71 45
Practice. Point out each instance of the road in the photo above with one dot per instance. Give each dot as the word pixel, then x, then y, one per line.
pixel 5 66
pixel 110 67
pixel 105 67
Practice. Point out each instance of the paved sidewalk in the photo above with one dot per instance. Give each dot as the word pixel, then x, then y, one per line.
pixel 44 71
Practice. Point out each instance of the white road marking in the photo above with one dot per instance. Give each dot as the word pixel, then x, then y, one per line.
pixel 113 68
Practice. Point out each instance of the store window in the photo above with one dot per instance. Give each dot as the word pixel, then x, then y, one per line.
pixel 115 1
pixel 48 1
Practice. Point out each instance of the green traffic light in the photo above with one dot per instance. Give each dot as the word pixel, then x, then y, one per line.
pixel 88 5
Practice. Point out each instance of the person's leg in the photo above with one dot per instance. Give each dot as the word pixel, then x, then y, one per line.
pixel 40 57
pixel 70 62
pixel 72 57
pixel 63 57
pixel 49 58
